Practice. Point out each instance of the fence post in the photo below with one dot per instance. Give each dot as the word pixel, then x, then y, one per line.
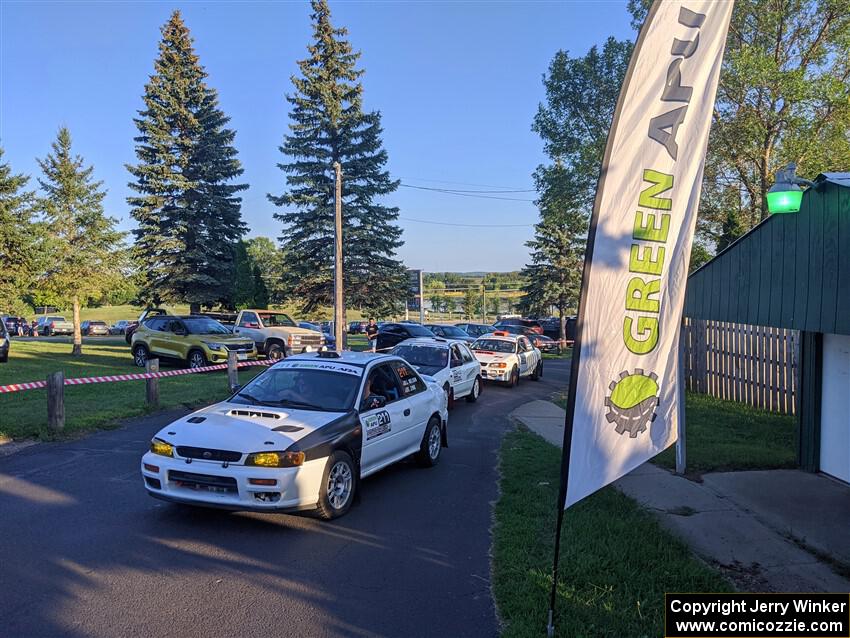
pixel 56 401
pixel 152 385
pixel 232 370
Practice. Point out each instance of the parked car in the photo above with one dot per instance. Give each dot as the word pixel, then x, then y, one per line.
pixel 476 329
pixel 120 326
pixel 552 328
pixel 507 358
pixel 5 343
pixel 357 327
pixel 15 326
pixel 526 323
pixel 448 331
pixel 450 363
pixel 147 312
pixel 391 334
pixel 301 435
pixel 53 325
pixel 194 340
pixel 275 334
pixel 541 342
pixel 91 328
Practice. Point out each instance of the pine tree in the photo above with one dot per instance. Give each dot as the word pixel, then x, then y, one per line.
pixel 84 247
pixel 19 245
pixel 329 125
pixel 187 209
pixel 470 297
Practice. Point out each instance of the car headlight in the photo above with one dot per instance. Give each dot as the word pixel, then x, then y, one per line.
pixel 498 365
pixel 158 446
pixel 214 346
pixel 275 459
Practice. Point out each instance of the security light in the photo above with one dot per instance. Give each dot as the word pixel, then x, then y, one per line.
pixel 785 195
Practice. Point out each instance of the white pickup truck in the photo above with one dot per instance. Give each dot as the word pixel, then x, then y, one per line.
pixel 275 334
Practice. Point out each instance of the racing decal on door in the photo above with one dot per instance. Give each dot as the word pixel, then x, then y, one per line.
pixel 456 377
pixel 377 424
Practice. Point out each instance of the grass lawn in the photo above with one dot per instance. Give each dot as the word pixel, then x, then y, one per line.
pixel 726 435
pixel 566 353
pixel 616 562
pixel 24 414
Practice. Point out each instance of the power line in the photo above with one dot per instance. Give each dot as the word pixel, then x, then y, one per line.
pixel 443 181
pixel 459 190
pixel 447 191
pixel 425 221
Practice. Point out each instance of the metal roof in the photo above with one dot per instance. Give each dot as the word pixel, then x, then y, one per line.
pixel 842 179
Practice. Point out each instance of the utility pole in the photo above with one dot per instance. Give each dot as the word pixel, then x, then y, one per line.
pixel 339 308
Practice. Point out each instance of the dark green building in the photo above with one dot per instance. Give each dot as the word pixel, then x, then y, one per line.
pixel 793 271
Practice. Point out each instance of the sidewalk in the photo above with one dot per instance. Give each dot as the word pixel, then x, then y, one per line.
pixel 732 521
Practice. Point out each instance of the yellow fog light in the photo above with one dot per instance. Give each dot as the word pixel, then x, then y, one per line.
pixel 275 459
pixel 498 365
pixel 162 448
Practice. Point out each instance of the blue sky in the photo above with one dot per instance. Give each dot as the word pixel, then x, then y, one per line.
pixel 458 84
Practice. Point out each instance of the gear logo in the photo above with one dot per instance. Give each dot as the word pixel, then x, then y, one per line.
pixel 632 402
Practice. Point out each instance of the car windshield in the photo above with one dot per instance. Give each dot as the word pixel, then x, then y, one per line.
pixel 454 331
pixel 97 323
pixel 276 319
pixel 204 326
pixel 415 330
pixel 324 390
pixel 494 345
pixel 422 355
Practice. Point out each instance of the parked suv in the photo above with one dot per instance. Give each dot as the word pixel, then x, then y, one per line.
pixel 391 334
pixel 533 324
pixel 275 334
pixel 197 341
pixel 91 328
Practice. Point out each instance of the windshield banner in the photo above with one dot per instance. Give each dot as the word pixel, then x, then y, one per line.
pixel 623 399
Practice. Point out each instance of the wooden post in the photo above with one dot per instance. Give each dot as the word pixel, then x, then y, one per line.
pixel 152 385
pixel 56 401
pixel 232 370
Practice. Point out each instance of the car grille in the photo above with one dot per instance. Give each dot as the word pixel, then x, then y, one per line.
pixel 240 347
pixel 188 452
pixel 203 481
pixel 307 340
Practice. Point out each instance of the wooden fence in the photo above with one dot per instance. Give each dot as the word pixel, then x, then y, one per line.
pixel 751 364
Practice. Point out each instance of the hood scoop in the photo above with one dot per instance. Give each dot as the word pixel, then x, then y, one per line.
pixel 287 428
pixel 254 414
pixel 196 419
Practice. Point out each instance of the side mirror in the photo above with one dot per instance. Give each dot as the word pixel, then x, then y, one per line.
pixel 180 332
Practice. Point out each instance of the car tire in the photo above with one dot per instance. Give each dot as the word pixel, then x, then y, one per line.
pixel 339 482
pixel 140 355
pixel 275 352
pixel 432 443
pixel 475 392
pixel 196 359
pixel 450 396
pixel 514 380
pixel 538 371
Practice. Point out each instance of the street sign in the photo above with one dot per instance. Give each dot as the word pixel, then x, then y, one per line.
pixel 414 293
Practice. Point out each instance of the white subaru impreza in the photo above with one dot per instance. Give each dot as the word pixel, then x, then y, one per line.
pixel 300 435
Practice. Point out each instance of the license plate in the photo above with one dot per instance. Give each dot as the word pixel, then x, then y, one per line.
pixel 241 356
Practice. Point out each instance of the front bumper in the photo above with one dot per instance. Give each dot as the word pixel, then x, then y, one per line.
pixel 496 374
pixel 220 356
pixel 210 484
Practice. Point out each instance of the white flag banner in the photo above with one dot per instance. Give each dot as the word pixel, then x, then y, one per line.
pixel 625 396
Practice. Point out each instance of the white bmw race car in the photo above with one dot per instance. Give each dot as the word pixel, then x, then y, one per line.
pixel 300 435
pixel 507 357
pixel 449 362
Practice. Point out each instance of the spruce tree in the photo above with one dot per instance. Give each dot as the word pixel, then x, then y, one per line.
pixel 187 208
pixel 329 125
pixel 85 250
pixel 19 245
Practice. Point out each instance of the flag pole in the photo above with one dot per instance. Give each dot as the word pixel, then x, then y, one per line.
pixel 574 364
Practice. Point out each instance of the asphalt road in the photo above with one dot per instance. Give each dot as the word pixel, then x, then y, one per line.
pixel 85 552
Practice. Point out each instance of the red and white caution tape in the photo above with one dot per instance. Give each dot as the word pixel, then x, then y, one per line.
pixel 34 385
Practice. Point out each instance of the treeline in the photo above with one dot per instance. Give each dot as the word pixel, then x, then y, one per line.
pixel 59 247
pixel 784 96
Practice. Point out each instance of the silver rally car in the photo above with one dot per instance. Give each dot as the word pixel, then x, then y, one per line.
pixel 300 435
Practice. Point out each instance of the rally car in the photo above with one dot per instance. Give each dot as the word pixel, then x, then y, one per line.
pixel 448 361
pixel 300 436
pixel 507 357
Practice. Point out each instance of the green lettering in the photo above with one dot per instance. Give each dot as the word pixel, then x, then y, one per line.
pixel 647 328
pixel 638 293
pixel 641 260
pixel 661 182
pixel 648 230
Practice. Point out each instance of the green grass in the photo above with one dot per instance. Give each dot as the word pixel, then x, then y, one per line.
pixel 24 414
pixel 566 353
pixel 726 435
pixel 616 562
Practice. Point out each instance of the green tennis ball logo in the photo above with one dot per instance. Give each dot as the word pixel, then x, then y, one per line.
pixel 631 404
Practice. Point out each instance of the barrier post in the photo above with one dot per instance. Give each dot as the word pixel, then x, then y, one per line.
pixel 152 385
pixel 232 370
pixel 56 401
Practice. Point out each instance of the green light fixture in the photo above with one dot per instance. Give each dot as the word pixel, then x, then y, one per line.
pixel 786 195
